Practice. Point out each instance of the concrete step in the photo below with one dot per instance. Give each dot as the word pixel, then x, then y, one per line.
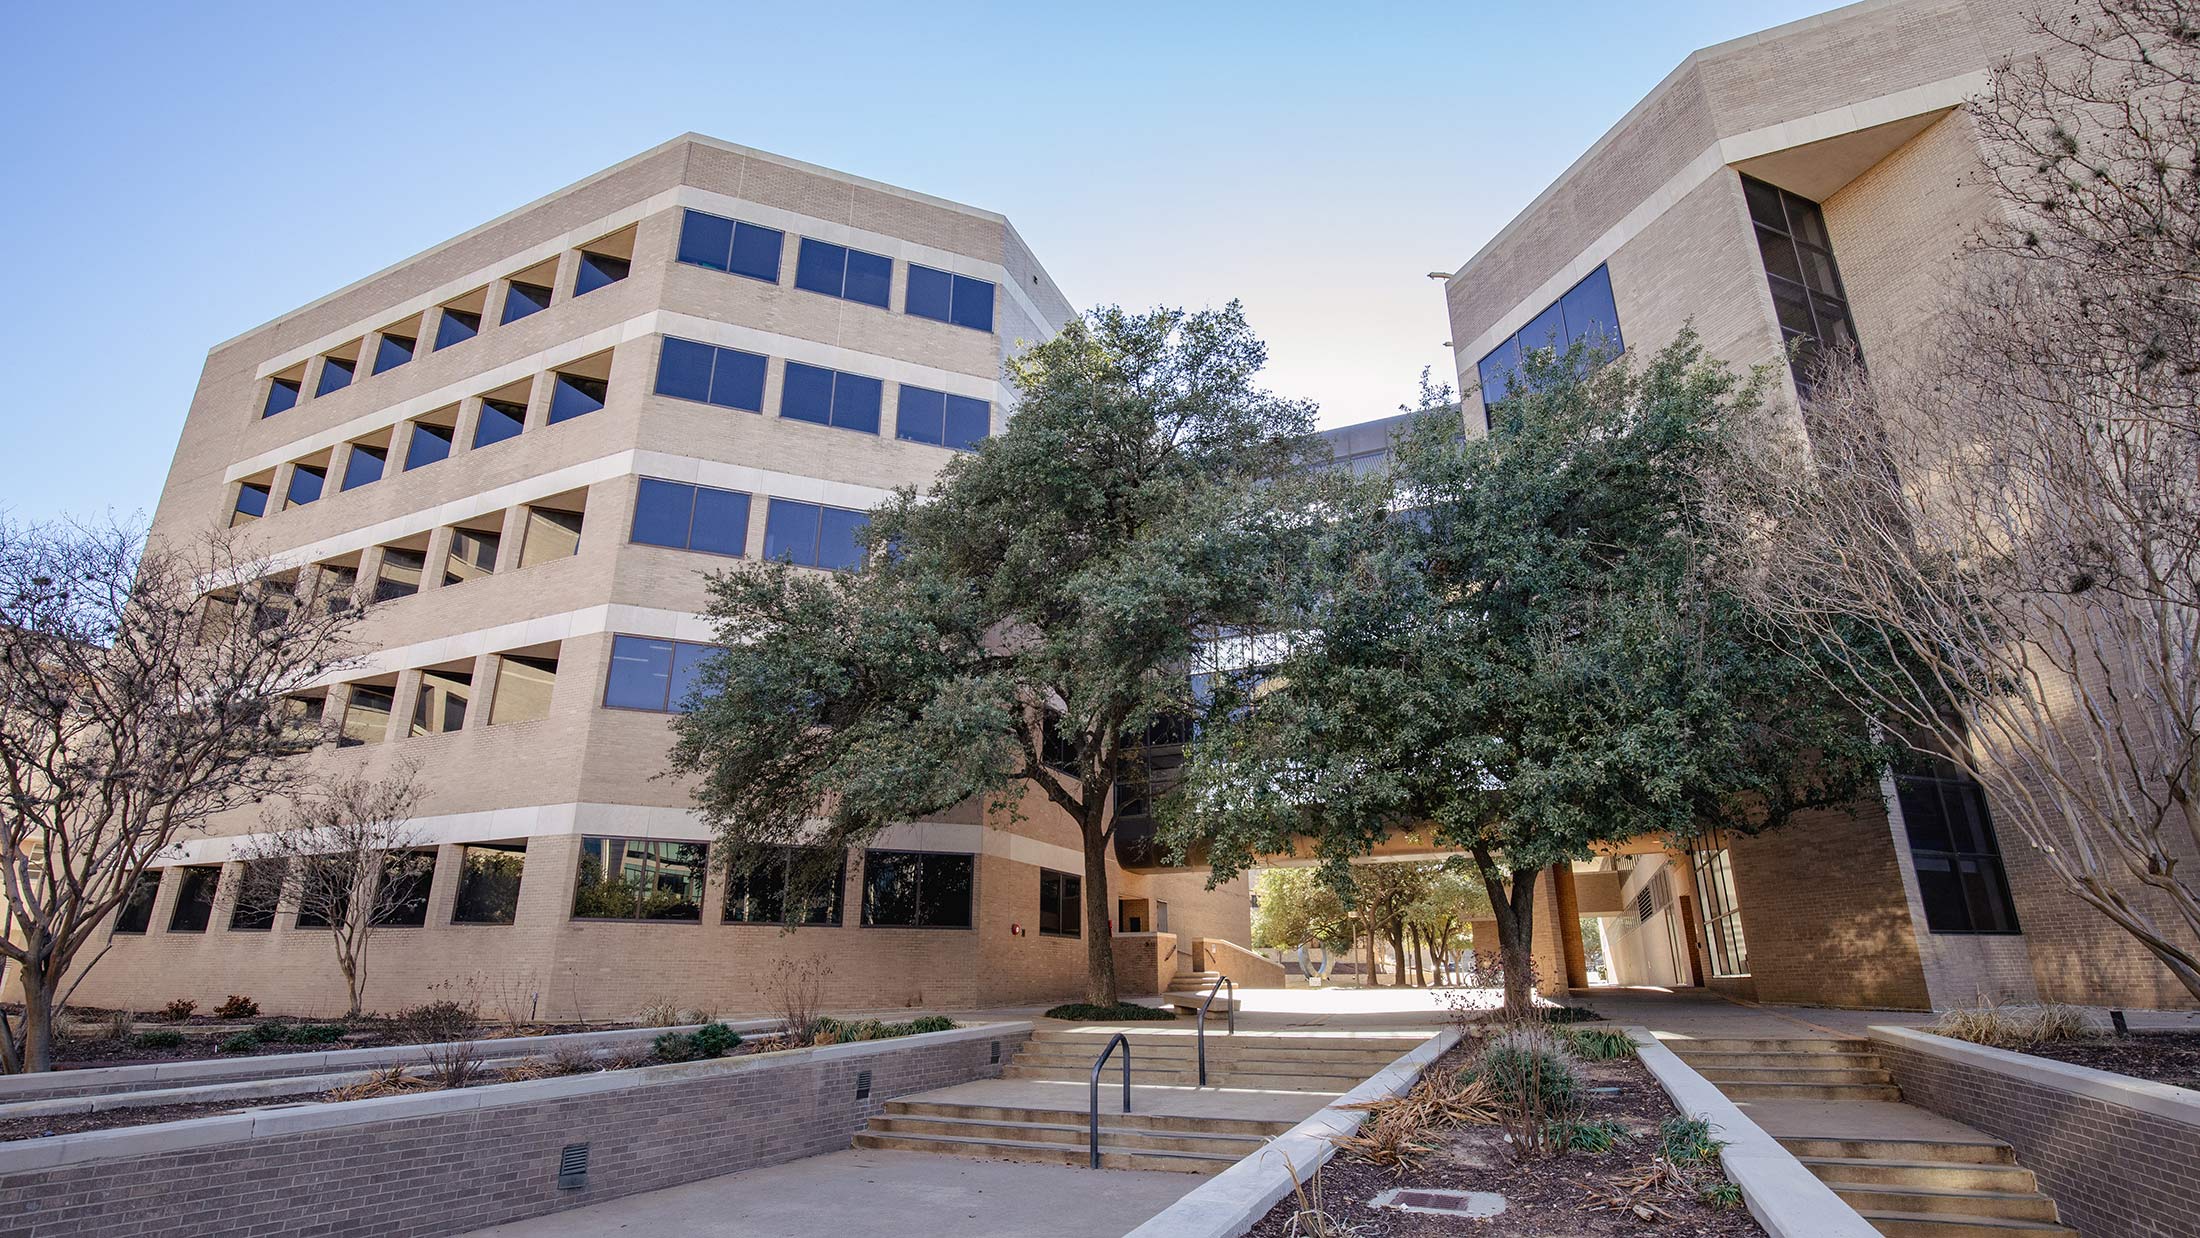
pixel 1932 1175
pixel 1162 1122
pixel 1186 1041
pixel 1046 1153
pixel 1810 1091
pixel 1858 1061
pixel 1794 1074
pixel 1371 1060
pixel 1933 1151
pixel 1119 1138
pixel 1216 1078
pixel 1689 1048
pixel 1953 1225
pixel 1919 1201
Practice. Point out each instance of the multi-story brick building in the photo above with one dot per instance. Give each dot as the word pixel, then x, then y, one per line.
pixel 533 441
pixel 1813 181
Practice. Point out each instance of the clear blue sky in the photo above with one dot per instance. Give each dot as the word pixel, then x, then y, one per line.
pixel 177 174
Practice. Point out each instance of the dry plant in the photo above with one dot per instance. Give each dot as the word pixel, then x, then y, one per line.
pixel 797 991
pixel 1634 1193
pixel 658 1012
pixel 2012 1027
pixel 392 1080
pixel 1394 1133
pixel 454 1064
pixel 565 1060
pixel 512 996
pixel 1312 1220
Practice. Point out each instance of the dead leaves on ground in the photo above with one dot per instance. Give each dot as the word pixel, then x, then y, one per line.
pixel 1394 1134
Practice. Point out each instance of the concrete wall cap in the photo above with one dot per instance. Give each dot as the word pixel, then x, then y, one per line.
pixel 2160 1099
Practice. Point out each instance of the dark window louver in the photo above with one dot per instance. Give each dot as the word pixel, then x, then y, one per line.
pixel 863 1085
pixel 996 1053
pixel 573 1167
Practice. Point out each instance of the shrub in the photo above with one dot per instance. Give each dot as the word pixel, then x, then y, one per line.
pixel 1569 1014
pixel 242 1042
pixel 237 1006
pixel 708 1041
pixel 1598 1044
pixel 1721 1194
pixel 436 1022
pixel 797 991
pixel 1593 1135
pixel 1688 1141
pixel 658 1012
pixel 178 1010
pixel 1529 1070
pixel 930 1023
pixel 301 1033
pixel 157 1040
pixel 117 1026
pixel 2012 1027
pixel 1121 1012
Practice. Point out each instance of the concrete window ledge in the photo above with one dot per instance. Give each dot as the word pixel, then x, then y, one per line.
pixel 2144 1095
pixel 1787 1199
pixel 1232 1201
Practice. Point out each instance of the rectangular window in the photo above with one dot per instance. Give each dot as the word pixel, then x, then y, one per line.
pixel 336 375
pixel 392 351
pixel 473 554
pixel 656 675
pixel 550 534
pixel 793 885
pixel 1585 315
pixel 726 377
pixel 1061 904
pixel 1960 878
pixel 838 271
pixel 428 444
pixel 401 901
pixel 282 396
pixel 728 245
pixel 958 299
pixel 259 884
pixel 1722 913
pixel 675 514
pixel 367 715
pixel 598 271
pixel 635 879
pixel 831 398
pixel 523 689
pixel 136 914
pixel 572 396
pixel 194 908
pixel 922 415
pixel 522 299
pixel 456 326
pixel 500 420
pixel 441 706
pixel 488 883
pixel 401 573
pixel 306 482
pixel 814 535
pixel 917 889
pixel 1807 297
pixel 365 466
pixel 251 503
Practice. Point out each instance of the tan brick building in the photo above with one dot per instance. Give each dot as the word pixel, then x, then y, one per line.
pixel 534 440
pixel 1810 181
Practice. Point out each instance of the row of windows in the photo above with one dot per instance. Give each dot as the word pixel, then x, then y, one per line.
pixel 741 248
pixel 731 378
pixel 1586 314
pixel 617 879
pixel 599 264
pixel 691 517
pixel 1797 252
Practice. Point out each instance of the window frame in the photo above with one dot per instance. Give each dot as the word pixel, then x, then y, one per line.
pixel 1069 898
pixel 1984 854
pixel 871 867
pixel 848 255
pixel 817 543
pixel 961 290
pixel 1515 346
pixel 148 882
pixel 466 873
pixel 832 915
pixel 695 501
pixel 654 860
pixel 184 885
pixel 734 233
pixel 759 363
pixel 675 651
pixel 834 385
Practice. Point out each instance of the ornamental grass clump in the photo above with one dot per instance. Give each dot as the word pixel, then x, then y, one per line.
pixel 1528 1068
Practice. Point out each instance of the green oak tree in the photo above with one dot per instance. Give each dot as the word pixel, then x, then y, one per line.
pixel 1514 644
pixel 1020 625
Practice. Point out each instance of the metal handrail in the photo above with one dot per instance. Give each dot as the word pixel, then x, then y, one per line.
pixel 1232 1010
pixel 1092 1110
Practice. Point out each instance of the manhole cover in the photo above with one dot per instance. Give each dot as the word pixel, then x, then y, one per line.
pixel 1446 1203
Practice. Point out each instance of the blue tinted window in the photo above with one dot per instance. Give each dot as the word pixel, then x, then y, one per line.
pixel 931 294
pixel 726 377
pixel 598 271
pixel 641 671
pixel 573 396
pixel 365 466
pixel 282 396
pixel 429 444
pixel 856 400
pixel 721 522
pixel 821 266
pixel 252 499
pixel 687 667
pixel 1591 314
pixel 737 380
pixel 969 421
pixel 920 413
pixel 807 394
pixel 790 532
pixel 756 252
pixel 870 278
pixel 837 547
pixel 305 485
pixel 973 303
pixel 683 369
pixel 524 299
pixel 662 510
pixel 500 420
pixel 456 327
pixel 691 517
pixel 393 351
pixel 705 239
pixel 335 375
pixel 1496 371
pixel 1545 330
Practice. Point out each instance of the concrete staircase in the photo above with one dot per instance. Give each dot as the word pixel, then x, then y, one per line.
pixel 1194 982
pixel 1199 1145
pixel 1906 1188
pixel 1265 1061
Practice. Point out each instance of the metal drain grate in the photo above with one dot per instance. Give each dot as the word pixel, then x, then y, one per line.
pixel 1476 1204
pixel 573 1167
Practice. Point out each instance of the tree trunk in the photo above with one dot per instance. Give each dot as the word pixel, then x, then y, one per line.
pixel 1514 909
pixel 1420 957
pixel 1100 987
pixel 37 1026
pixel 1397 937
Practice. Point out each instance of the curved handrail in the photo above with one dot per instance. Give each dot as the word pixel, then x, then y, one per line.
pixel 1232 1011
pixel 1092 1110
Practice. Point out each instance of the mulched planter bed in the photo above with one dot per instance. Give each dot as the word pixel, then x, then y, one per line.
pixel 2163 1057
pixel 202 1038
pixel 1543 1197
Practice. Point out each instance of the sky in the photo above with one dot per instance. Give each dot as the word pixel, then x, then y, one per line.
pixel 177 174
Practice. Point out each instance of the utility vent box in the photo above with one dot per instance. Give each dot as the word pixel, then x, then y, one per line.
pixel 863 1085
pixel 1476 1204
pixel 573 1167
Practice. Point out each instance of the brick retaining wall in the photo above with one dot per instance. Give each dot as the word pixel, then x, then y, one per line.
pixel 2120 1156
pixel 447 1162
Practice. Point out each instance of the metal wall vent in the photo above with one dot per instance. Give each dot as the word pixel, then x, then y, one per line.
pixel 996 1053
pixel 573 1167
pixel 863 1085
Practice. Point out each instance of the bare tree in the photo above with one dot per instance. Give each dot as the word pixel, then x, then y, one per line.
pixel 142 692
pixel 2011 508
pixel 346 856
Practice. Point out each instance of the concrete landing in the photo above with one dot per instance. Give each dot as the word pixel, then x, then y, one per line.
pixel 1146 1099
pixel 1856 1119
pixel 908 1194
